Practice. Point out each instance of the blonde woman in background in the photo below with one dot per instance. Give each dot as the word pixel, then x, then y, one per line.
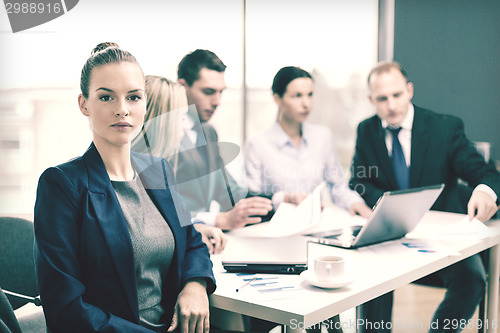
pixel 162 134
pixel 166 108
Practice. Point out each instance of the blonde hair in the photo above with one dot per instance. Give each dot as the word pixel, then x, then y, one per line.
pixel 163 123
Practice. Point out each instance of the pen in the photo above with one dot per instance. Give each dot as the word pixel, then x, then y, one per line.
pixel 262 278
pixel 246 283
pixel 276 289
pixel 263 283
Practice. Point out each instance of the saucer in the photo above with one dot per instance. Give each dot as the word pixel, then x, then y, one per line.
pixel 310 277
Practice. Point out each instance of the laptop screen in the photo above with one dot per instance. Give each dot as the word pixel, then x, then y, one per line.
pixel 395 214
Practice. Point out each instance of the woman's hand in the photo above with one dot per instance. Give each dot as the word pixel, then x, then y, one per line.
pixel 295 197
pixel 191 310
pixel 213 237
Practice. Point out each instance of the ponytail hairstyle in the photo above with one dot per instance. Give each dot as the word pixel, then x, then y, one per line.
pixel 103 54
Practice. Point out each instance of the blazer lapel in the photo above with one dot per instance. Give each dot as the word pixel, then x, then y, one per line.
pixel 213 158
pixel 113 225
pixel 212 146
pixel 382 154
pixel 419 147
pixel 190 162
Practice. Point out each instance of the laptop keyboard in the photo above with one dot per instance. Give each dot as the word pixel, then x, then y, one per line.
pixel 334 234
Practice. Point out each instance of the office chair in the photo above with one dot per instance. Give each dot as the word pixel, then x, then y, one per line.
pixel 8 320
pixel 17 274
pixel 17 270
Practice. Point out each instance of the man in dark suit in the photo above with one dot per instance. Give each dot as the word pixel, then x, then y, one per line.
pixel 405 146
pixel 201 172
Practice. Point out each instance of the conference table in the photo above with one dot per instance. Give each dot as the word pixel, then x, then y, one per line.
pixel 442 238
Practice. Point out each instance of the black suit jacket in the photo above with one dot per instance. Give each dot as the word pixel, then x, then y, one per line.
pixel 440 153
pixel 84 255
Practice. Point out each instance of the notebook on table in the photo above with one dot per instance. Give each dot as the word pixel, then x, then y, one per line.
pixel 395 214
pixel 265 255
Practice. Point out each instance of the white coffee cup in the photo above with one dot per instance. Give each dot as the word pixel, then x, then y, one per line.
pixel 329 268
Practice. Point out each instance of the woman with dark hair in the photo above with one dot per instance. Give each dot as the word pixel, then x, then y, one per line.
pixel 288 160
pixel 114 247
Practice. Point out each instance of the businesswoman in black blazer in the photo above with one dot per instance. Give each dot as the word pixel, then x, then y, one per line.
pixel 114 247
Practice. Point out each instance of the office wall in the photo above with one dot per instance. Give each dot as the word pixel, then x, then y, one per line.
pixel 335 40
pixel 451 50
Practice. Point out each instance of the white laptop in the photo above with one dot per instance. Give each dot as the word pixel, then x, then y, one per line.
pixel 395 214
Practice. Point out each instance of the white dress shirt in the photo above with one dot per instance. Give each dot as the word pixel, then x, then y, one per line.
pixel 274 164
pixel 189 131
pixel 404 135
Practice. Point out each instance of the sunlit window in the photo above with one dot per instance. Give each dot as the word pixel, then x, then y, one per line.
pixel 336 41
pixel 41 125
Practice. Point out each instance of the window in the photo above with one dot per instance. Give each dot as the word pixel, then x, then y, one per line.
pixel 335 41
pixel 41 125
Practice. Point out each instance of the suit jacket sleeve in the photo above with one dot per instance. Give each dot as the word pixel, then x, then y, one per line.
pixel 197 262
pixel 57 260
pixel 361 165
pixel 223 188
pixel 467 162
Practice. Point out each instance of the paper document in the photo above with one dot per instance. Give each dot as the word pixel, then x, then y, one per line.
pixel 409 247
pixel 289 219
pixel 259 287
pixel 462 229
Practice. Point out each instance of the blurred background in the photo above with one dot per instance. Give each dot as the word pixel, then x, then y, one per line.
pixel 449 48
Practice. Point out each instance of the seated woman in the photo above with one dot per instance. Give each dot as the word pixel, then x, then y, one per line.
pixel 292 157
pixel 288 160
pixel 112 252
pixel 164 127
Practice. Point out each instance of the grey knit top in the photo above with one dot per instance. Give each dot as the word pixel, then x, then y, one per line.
pixel 153 244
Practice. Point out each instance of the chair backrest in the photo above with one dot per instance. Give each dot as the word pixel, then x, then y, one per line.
pixel 8 320
pixel 17 267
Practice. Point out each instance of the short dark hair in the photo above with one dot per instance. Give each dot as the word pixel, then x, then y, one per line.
pixel 386 66
pixel 103 54
pixel 192 63
pixel 285 76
